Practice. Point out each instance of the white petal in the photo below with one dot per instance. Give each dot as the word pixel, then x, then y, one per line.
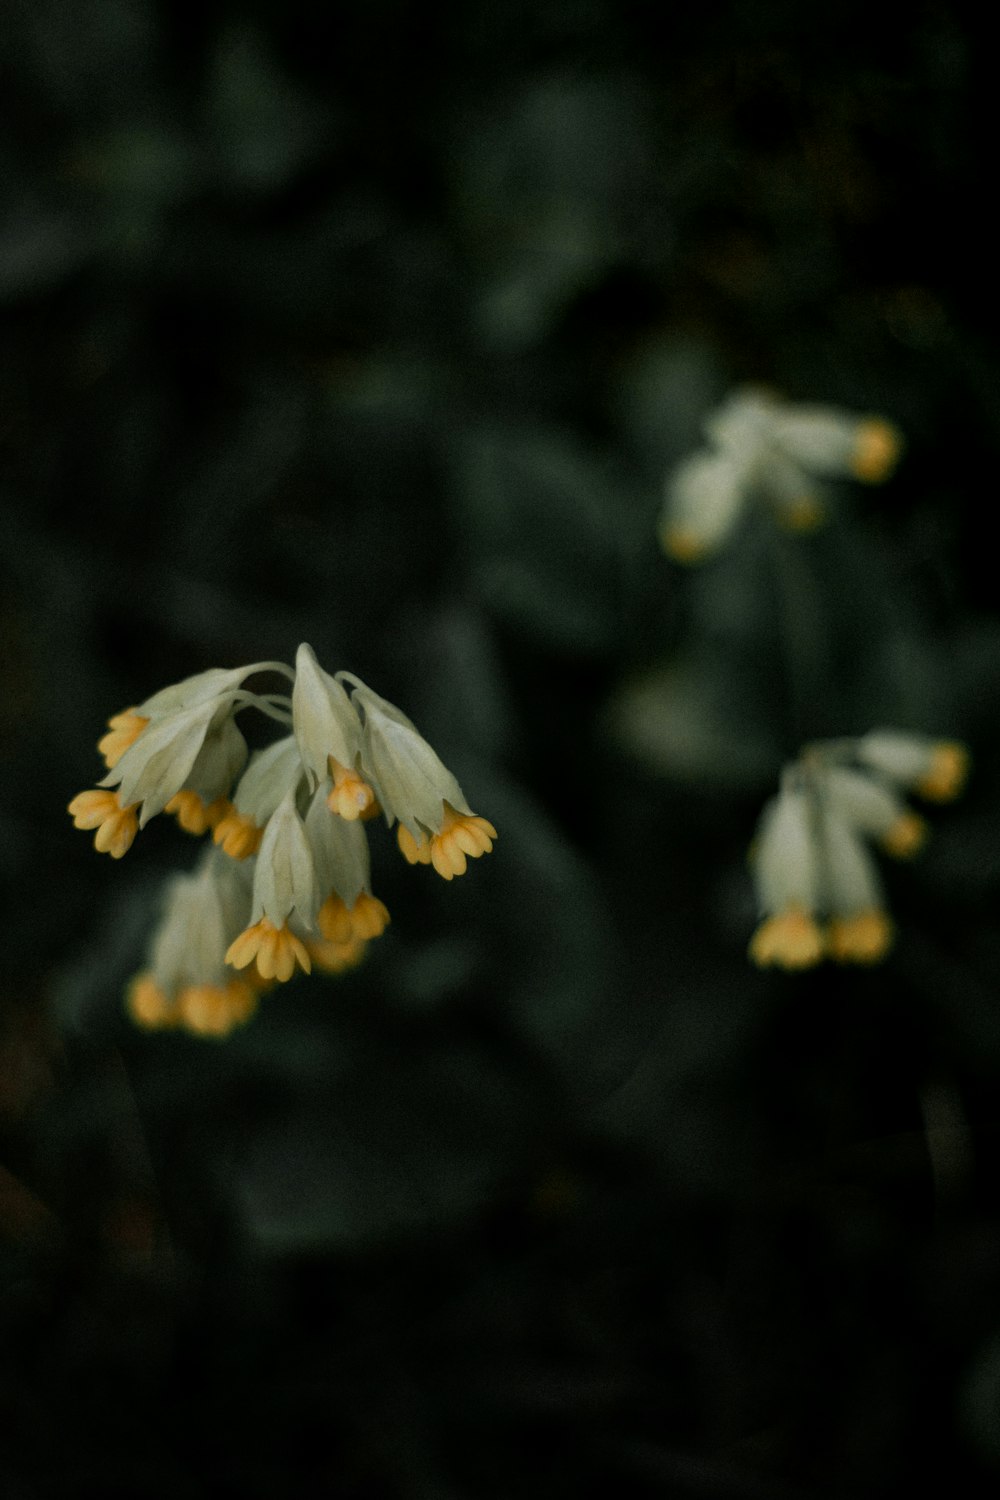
pixel 704 496
pixel 412 782
pixel 906 758
pixel 219 761
pixel 268 776
pixel 861 800
pixel 821 438
pixel 786 864
pixel 742 422
pixel 339 850
pixel 851 883
pixel 190 942
pixel 324 719
pixel 284 879
pixel 156 766
pixel 194 691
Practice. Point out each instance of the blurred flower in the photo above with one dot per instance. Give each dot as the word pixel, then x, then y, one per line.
pixel 817 882
pixel 187 983
pixel 935 769
pixel 763 448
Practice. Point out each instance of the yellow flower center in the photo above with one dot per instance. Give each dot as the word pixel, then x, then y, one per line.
pixel 367 918
pixel 462 835
pixel 791 939
pixel 276 949
pixel 216 1009
pixel 334 958
pixel 876 451
pixel 237 835
pixel 864 938
pixel 334 921
pixel 947 772
pixel 906 836
pixel 116 826
pixel 194 814
pixel 123 730
pixel 682 546
pixel 351 797
pixel 803 514
pixel 412 852
pixel 147 1004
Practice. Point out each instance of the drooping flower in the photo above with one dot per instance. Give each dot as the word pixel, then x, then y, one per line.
pixel 817 882
pixel 182 739
pixel 187 984
pixel 934 769
pixel 284 899
pixel 289 883
pixel 328 732
pixel 269 777
pixel 116 825
pixel 779 453
pixel 415 788
pixel 787 877
pixel 123 730
pixel 347 910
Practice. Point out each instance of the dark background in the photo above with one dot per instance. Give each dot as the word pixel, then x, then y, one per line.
pixel 378 327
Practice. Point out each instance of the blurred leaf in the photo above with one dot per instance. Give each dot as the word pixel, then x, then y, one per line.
pixel 663 397
pixel 979 1401
pixel 88 995
pixel 545 526
pixel 697 720
pixel 413 1141
pixel 264 127
pixel 38 247
pixel 546 182
pixel 468 698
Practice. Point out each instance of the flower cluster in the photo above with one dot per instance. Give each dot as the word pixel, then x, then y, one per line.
pixel 817 882
pixel 287 883
pixel 765 449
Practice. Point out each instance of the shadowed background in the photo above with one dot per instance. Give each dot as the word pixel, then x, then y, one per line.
pixel 379 327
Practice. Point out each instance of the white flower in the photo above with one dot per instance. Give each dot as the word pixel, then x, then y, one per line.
pixel 705 496
pixel 270 774
pixel 156 767
pixel 328 732
pixel 785 854
pixel 187 983
pixel 285 879
pixel 302 893
pixel 284 887
pixel 348 912
pixel 775 451
pixel 412 783
pixel 218 763
pixel 204 687
pixel 817 883
pixel 339 849
pixel 438 826
pixel 787 875
pixel 934 769
pixel 180 749
pixel 859 929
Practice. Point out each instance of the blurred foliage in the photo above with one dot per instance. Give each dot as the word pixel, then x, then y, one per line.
pixel 379 328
